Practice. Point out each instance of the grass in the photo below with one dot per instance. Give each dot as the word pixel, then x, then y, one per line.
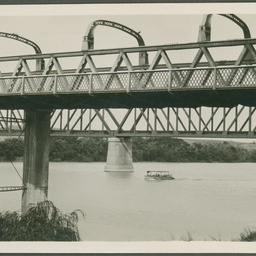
pixel 248 235
pixel 41 222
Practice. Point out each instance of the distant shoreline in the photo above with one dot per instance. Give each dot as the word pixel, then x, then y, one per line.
pixel 159 149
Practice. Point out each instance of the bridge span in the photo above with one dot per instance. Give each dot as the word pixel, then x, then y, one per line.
pixel 182 90
pixel 214 122
pixel 214 83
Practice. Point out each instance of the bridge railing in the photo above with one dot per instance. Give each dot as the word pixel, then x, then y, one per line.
pixel 132 81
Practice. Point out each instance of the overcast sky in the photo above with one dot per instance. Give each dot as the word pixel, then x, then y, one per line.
pixel 61 28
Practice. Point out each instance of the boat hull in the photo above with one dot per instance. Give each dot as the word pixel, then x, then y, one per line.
pixel 158 178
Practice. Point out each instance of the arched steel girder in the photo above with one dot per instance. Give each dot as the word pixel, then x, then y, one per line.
pixel 88 39
pixel 40 63
pixel 205 28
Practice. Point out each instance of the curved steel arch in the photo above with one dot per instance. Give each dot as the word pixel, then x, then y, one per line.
pixel 88 39
pixel 40 63
pixel 205 28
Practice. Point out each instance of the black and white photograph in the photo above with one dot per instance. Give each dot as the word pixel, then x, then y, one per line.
pixel 128 123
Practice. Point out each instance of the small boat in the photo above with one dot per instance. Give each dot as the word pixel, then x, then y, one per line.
pixel 158 175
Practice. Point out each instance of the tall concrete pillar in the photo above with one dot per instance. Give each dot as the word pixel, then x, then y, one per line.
pixel 36 157
pixel 119 157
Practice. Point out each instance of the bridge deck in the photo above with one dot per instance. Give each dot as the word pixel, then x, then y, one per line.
pixel 151 99
pixel 160 84
pixel 226 87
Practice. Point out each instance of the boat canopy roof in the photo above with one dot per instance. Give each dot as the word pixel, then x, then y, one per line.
pixel 153 172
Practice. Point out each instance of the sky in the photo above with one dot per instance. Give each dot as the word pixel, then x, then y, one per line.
pixel 61 28
pixel 57 29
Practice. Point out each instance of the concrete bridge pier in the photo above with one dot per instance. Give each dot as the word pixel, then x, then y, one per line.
pixel 119 157
pixel 36 157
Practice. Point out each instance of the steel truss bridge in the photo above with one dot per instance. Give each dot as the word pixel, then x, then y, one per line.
pixel 236 122
pixel 190 89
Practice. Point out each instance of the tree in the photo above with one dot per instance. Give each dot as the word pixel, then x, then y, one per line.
pixel 41 222
pixel 11 148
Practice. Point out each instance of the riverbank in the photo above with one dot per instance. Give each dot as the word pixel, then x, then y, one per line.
pixel 71 149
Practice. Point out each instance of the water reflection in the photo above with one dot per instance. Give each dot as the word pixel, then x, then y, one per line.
pixel 120 175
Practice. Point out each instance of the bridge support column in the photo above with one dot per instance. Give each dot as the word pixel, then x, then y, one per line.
pixel 119 157
pixel 36 157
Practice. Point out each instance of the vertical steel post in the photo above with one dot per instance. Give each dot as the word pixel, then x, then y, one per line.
pixel 103 116
pixel 148 119
pixel 55 84
pixel 177 120
pixel 7 120
pixel 200 119
pixel 128 82
pixel 22 85
pixel 81 120
pixel 90 84
pixel 212 117
pixel 250 120
pixel 61 116
pixel 170 81
pixel 155 121
pixel 135 113
pixel 236 123
pixel 90 118
pixel 224 119
pixel 168 119
pixel 68 121
pixel 189 121
pixel 214 78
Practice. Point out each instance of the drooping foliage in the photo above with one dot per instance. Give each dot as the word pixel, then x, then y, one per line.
pixel 41 222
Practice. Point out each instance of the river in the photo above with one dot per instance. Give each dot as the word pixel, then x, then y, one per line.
pixel 206 201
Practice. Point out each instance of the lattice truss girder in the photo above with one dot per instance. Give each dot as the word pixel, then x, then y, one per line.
pixel 197 66
pixel 238 122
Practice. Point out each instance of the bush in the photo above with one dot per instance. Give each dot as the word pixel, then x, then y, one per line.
pixel 41 222
pixel 248 235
